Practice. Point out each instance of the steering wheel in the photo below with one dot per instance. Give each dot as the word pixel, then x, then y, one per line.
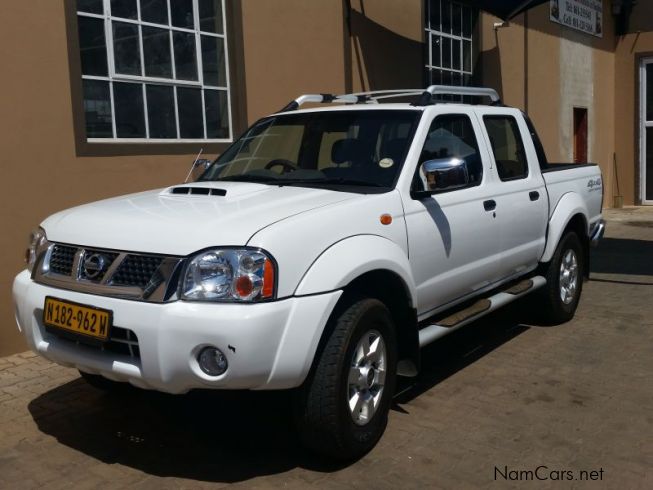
pixel 287 165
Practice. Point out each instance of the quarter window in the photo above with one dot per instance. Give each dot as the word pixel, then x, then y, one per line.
pixel 507 147
pixel 154 70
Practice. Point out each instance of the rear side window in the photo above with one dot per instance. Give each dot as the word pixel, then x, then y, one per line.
pixel 507 147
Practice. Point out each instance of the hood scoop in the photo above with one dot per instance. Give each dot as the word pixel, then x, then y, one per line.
pixel 198 191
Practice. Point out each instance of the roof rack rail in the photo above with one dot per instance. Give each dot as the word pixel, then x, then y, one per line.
pixel 322 99
pixel 433 90
pixel 376 95
pixel 373 97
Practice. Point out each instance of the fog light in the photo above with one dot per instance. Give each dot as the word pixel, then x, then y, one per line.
pixel 212 361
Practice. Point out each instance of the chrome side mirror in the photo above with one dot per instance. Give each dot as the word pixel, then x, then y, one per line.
pixel 199 167
pixel 444 174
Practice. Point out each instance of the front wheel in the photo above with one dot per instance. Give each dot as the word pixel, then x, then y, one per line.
pixel 342 409
pixel 564 280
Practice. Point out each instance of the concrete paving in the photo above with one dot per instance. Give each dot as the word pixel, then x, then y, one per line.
pixel 502 401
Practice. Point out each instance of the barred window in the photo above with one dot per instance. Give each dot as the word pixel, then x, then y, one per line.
pixel 154 70
pixel 449 29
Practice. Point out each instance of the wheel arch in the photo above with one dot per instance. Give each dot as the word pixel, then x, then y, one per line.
pixel 375 267
pixel 392 291
pixel 577 223
pixel 570 214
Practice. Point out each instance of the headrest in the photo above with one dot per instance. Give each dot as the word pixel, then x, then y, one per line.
pixel 346 150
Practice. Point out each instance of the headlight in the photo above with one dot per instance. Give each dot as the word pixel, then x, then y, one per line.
pixel 37 239
pixel 229 275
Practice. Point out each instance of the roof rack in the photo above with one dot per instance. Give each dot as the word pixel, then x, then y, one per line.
pixel 322 99
pixel 425 96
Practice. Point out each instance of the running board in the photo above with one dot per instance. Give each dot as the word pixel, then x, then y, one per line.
pixel 479 309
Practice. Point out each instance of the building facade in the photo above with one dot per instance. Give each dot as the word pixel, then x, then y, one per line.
pixel 108 97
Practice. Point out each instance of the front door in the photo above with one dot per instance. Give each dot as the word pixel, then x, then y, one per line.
pixel 453 239
pixel 646 131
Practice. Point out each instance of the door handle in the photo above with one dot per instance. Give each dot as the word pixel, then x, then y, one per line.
pixel 490 205
pixel 534 195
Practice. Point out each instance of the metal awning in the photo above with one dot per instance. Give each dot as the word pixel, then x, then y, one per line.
pixel 506 9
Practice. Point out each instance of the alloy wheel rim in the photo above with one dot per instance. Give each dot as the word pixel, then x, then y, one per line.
pixel 568 277
pixel 367 374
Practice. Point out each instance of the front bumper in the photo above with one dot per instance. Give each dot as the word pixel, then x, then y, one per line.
pixel 268 345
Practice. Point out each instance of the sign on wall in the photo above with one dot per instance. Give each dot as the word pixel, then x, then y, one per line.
pixel 582 15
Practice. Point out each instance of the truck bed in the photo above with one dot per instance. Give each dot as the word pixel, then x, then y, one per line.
pixel 584 179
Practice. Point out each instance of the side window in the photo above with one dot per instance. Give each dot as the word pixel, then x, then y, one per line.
pixel 451 136
pixel 507 147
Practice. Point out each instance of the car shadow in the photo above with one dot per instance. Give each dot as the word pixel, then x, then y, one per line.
pixel 463 347
pixel 228 437
pixel 622 256
pixel 203 435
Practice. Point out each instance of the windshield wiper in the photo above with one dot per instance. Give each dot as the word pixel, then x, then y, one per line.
pixel 339 180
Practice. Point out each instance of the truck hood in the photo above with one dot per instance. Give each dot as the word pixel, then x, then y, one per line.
pixel 183 219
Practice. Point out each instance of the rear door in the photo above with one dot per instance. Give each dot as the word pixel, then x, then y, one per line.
pixel 520 192
pixel 453 240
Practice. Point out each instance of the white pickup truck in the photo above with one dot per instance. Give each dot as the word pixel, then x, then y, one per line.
pixel 319 253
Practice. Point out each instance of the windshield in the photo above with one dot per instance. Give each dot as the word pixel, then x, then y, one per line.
pixel 340 149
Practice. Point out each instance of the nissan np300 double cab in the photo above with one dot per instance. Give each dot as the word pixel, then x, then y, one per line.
pixel 319 253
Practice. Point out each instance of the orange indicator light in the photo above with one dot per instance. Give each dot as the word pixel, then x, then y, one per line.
pixel 268 280
pixel 385 219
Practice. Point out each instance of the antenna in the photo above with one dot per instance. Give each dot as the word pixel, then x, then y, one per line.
pixel 193 165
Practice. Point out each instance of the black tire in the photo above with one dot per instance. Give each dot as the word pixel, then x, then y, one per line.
pixel 322 414
pixel 104 384
pixel 551 304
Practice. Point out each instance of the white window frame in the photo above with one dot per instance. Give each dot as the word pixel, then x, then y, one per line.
pixel 432 32
pixel 118 77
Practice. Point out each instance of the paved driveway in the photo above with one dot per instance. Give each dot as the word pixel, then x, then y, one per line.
pixel 500 400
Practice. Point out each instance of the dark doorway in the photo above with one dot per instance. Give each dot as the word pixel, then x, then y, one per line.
pixel 580 135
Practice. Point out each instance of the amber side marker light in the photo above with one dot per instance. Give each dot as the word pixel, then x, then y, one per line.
pixel 268 280
pixel 385 219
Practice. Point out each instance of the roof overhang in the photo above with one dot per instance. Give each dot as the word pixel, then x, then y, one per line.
pixel 506 9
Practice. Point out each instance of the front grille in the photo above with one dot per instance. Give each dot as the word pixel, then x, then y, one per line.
pixel 136 270
pixel 124 275
pixel 122 341
pixel 62 259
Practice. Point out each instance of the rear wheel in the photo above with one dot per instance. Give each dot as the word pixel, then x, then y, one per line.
pixel 564 280
pixel 342 409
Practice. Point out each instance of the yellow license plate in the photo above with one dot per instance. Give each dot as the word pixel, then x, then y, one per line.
pixel 75 318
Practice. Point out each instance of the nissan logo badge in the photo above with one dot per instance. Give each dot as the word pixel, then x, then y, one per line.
pixel 94 265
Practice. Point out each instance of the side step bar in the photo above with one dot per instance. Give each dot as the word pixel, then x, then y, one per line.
pixel 479 309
